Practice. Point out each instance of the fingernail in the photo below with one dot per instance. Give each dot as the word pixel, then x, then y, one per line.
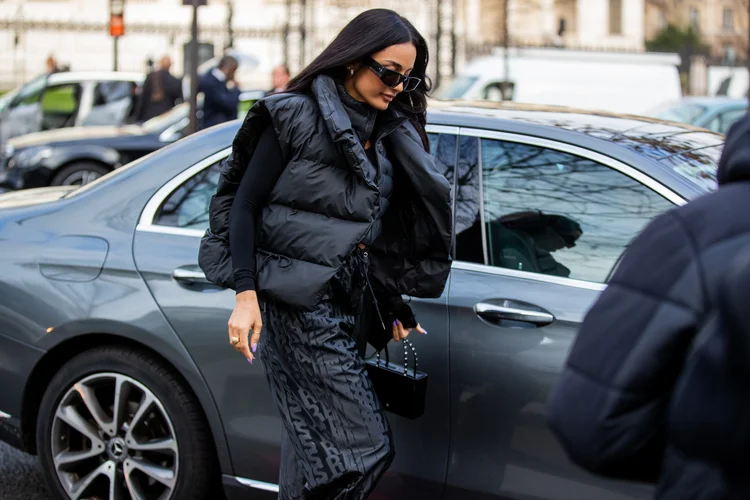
pixel 255 346
pixel 395 322
pixel 249 360
pixel 425 332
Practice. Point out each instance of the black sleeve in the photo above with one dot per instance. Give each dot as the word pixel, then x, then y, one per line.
pixel 262 172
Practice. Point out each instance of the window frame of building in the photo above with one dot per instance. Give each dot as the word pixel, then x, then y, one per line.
pixel 727 22
pixel 615 17
pixel 694 17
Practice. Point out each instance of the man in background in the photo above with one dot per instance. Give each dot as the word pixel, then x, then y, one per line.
pixel 280 77
pixel 161 92
pixel 221 93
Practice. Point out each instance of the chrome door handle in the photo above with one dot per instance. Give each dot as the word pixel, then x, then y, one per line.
pixel 181 274
pixel 496 312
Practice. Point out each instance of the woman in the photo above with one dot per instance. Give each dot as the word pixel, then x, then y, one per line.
pixel 329 208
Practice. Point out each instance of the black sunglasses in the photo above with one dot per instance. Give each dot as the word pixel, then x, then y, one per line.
pixel 392 78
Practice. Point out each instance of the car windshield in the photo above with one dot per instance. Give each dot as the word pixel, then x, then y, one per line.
pixel 456 88
pixel 162 122
pixel 29 88
pixel 682 112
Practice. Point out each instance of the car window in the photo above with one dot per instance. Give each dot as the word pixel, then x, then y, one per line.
pixel 456 88
pixel 728 118
pixel 555 213
pixel 30 93
pixel 60 105
pixel 112 103
pixel 699 166
pixel 187 206
pixel 444 148
pixel 107 92
pixel 682 112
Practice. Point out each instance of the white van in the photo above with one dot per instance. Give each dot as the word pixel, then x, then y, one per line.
pixel 609 81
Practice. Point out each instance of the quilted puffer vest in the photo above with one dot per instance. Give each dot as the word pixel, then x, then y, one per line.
pixel 327 200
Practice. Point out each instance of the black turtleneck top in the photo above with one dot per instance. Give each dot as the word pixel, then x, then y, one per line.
pixel 260 177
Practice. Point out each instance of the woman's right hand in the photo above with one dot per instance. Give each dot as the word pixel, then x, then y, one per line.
pixel 245 318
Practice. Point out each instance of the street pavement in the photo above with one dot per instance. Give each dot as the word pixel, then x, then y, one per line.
pixel 20 478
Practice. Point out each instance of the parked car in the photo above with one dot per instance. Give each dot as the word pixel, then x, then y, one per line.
pixel 68 99
pixel 713 113
pixel 114 359
pixel 80 155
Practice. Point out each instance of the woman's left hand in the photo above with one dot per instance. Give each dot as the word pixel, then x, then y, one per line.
pixel 400 333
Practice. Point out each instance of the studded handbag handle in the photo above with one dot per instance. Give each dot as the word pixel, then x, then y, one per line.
pixel 407 345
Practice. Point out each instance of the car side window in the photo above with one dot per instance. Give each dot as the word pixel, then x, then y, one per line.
pixel 727 119
pixel 113 103
pixel 187 206
pixel 60 105
pixel 554 213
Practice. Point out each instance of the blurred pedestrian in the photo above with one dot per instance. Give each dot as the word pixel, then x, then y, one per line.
pixel 221 93
pixel 279 79
pixel 329 186
pixel 610 406
pixel 161 92
pixel 51 64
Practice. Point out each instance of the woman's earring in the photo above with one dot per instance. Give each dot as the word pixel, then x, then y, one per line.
pixel 351 71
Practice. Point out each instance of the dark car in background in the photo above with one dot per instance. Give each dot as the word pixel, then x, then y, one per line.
pixel 80 155
pixel 68 99
pixel 114 359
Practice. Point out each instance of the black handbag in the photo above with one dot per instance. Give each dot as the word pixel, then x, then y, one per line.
pixel 401 390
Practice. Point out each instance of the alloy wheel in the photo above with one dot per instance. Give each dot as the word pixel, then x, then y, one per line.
pixel 113 439
pixel 81 178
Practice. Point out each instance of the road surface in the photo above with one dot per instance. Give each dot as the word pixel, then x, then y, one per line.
pixel 20 478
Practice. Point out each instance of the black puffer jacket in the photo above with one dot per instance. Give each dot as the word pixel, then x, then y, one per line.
pixel 709 418
pixel 326 200
pixel 610 406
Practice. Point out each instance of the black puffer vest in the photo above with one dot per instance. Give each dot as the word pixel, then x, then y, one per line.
pixel 326 202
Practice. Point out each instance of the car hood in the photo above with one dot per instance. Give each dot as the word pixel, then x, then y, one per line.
pixel 26 197
pixel 73 134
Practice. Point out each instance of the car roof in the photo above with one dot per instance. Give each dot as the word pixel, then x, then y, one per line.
pixel 653 138
pixel 103 76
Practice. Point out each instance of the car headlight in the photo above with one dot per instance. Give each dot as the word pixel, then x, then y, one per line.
pixel 31 156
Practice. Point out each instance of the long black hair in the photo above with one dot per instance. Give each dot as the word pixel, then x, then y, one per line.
pixel 368 33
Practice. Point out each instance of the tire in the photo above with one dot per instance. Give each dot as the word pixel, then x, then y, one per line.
pixel 79 174
pixel 108 450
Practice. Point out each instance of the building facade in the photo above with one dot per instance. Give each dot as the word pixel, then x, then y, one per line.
pixel 594 24
pixel 723 24
pixel 76 32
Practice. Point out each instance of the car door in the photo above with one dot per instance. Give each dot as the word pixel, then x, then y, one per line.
pixel 166 254
pixel 538 233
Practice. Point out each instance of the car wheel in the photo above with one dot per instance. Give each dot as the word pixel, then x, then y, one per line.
pixel 79 174
pixel 116 423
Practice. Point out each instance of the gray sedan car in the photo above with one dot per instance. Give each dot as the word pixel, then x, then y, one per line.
pixel 114 362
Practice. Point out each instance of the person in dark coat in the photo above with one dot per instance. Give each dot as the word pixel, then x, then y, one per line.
pixel 709 417
pixel 221 93
pixel 610 407
pixel 161 92
pixel 329 206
